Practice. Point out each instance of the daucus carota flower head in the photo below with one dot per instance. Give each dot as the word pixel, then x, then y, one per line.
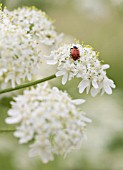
pixel 36 23
pixel 81 61
pixel 19 55
pixel 50 118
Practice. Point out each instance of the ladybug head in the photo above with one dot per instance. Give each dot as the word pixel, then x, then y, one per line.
pixel 75 47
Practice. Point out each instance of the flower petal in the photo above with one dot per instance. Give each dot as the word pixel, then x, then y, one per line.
pixel 64 78
pixel 51 62
pixel 94 91
pixel 94 83
pixel 83 84
pixel 78 101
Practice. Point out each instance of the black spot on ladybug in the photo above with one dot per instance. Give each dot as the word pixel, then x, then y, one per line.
pixel 74 53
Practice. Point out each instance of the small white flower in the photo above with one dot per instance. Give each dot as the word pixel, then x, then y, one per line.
pixel 75 60
pixel 51 119
pixel 36 23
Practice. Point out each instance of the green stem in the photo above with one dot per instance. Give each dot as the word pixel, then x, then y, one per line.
pixel 5 130
pixel 27 84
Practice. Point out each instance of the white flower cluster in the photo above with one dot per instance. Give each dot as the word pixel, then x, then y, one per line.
pixel 22 32
pixel 36 23
pixel 86 66
pixel 19 55
pixel 50 119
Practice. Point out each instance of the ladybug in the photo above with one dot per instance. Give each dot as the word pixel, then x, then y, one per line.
pixel 75 53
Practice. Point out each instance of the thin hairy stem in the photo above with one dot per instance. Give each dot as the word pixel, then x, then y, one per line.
pixel 27 84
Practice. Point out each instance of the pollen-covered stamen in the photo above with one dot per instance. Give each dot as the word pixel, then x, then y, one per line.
pixel 74 53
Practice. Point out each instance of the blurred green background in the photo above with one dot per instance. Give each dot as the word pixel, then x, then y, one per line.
pixel 100 24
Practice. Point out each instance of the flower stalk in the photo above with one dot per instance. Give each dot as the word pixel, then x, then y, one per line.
pixel 32 83
pixel 6 131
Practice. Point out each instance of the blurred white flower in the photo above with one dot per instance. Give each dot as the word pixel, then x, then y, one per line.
pixel 75 60
pixel 19 56
pixel 92 8
pixel 24 37
pixel 51 119
pixel 36 23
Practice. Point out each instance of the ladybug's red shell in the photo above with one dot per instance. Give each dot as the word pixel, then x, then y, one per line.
pixel 75 53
